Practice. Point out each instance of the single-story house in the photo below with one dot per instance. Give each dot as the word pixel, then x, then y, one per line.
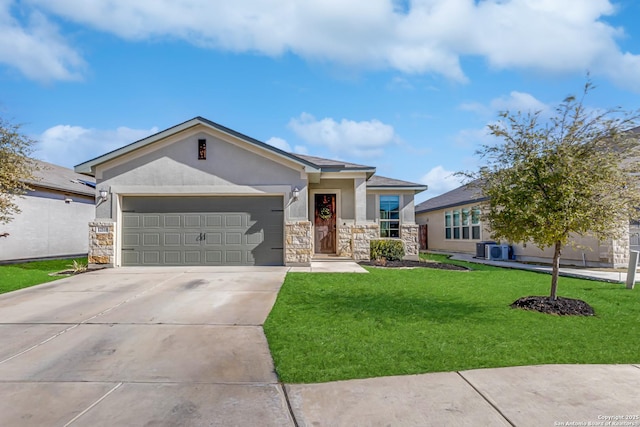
pixel 53 218
pixel 452 222
pixel 199 193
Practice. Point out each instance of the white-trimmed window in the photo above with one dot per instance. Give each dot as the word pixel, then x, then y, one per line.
pixel 389 216
pixel 462 224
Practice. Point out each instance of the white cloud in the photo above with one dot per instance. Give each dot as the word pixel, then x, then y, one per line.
pixel 518 101
pixel 68 146
pixel 360 139
pixel 37 49
pixel 422 36
pixel 514 102
pixel 279 143
pixel 284 146
pixel 440 181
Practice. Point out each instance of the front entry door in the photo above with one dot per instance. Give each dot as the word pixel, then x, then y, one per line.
pixel 325 223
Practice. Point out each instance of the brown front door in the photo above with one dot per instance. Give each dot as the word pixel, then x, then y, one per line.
pixel 325 223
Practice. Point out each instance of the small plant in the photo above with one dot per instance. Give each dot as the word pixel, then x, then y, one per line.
pixel 389 250
pixel 78 267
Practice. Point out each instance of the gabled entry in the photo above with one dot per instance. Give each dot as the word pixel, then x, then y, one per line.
pixel 325 223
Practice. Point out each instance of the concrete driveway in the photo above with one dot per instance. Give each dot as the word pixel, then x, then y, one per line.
pixel 169 346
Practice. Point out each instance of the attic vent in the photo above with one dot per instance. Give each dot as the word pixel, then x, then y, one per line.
pixel 202 149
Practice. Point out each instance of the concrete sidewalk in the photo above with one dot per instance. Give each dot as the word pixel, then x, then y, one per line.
pixel 582 273
pixel 548 395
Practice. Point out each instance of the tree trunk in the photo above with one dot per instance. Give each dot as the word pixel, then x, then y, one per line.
pixel 555 270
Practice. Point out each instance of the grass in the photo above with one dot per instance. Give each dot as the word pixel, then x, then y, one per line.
pixel 327 327
pixel 18 276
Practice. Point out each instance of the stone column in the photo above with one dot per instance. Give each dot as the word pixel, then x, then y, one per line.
pixel 345 241
pixel 409 236
pixel 362 236
pixel 102 243
pixel 299 243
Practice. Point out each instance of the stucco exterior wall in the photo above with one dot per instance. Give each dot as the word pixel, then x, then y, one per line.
pixel 48 227
pixel 347 195
pixel 172 167
pixel 586 250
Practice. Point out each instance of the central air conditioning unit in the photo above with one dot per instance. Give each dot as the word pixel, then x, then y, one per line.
pixel 496 252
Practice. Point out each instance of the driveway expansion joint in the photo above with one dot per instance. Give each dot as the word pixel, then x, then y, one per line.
pixel 74 419
pixel 486 399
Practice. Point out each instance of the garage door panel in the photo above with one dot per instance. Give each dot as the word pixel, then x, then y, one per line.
pixel 149 221
pixel 213 257
pixel 202 231
pixel 172 239
pixel 151 239
pixel 130 258
pixel 151 257
pixel 130 239
pixel 233 238
pixel 213 238
pixel 232 257
pixel 233 220
pixel 172 257
pixel 131 221
pixel 192 239
pixel 191 221
pixel 192 257
pixel 213 220
pixel 172 221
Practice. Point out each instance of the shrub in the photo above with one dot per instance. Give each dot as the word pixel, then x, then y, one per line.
pixel 391 250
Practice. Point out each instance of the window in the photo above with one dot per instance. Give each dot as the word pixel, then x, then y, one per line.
pixel 462 224
pixel 389 216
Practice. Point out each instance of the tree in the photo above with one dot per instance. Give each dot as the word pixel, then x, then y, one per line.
pixel 572 174
pixel 16 168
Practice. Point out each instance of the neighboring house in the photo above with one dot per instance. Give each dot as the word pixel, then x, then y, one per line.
pixel 451 222
pixel 53 218
pixel 202 194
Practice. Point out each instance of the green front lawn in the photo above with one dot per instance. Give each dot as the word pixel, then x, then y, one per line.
pixel 18 276
pixel 327 327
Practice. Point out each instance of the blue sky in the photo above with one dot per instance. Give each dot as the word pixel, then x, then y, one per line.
pixel 406 86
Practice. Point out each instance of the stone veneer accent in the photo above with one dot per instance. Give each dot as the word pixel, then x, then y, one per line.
pixel 362 236
pixel 102 244
pixel 345 241
pixel 409 236
pixel 299 243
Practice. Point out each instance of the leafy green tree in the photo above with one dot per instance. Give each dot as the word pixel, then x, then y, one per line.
pixel 16 168
pixel 572 174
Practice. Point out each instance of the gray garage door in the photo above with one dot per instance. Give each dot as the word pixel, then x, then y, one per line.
pixel 202 231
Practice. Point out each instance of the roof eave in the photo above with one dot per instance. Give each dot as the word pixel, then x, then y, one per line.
pixel 453 205
pixel 88 167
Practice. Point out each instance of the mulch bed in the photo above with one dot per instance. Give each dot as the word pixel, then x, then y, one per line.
pixel 560 306
pixel 414 264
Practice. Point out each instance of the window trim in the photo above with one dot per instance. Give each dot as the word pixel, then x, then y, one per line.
pixel 461 222
pixel 389 220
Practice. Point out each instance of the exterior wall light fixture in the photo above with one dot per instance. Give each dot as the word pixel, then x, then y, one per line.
pixel 295 194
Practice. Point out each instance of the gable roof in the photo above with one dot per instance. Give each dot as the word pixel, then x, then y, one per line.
pixel 88 167
pixel 468 193
pixel 63 179
pixel 311 164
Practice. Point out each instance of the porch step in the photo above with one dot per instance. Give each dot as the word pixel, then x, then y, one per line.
pixel 330 258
